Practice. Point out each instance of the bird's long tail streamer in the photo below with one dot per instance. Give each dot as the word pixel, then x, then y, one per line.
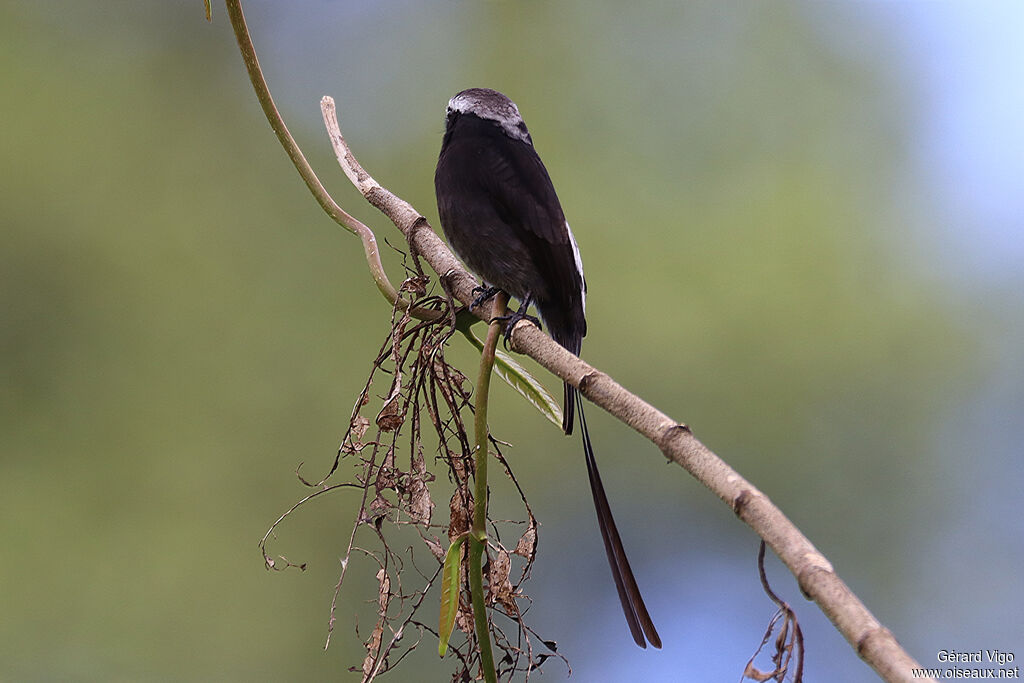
pixel 640 624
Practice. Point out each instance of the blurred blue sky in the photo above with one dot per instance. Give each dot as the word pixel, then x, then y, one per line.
pixel 966 61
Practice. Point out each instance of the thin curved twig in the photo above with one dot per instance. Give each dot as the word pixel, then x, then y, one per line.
pixel 323 198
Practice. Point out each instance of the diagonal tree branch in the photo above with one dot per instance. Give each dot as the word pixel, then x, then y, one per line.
pixel 874 643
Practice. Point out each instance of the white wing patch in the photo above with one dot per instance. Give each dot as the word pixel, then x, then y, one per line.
pixel 579 267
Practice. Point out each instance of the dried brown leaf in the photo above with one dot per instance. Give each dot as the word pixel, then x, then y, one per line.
pixel 755 674
pixel 371 646
pixel 379 506
pixel 359 426
pixel 353 443
pixel 434 546
pixel 499 588
pixel 464 619
pixel 527 545
pixel 384 594
pixel 386 479
pixel 373 643
pixel 460 516
pixel 390 416
pixel 420 505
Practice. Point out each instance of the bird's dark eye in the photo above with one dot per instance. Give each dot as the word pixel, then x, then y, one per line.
pixel 522 127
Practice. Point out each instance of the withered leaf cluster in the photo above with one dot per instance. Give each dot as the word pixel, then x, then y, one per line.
pixel 396 445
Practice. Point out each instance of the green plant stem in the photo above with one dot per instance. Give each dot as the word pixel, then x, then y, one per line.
pixel 478 537
pixel 476 589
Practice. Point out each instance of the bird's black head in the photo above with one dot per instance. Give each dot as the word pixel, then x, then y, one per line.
pixel 489 105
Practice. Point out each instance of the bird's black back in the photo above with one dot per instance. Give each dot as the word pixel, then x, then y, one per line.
pixel 501 214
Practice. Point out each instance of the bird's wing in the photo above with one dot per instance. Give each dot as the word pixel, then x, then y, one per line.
pixel 519 185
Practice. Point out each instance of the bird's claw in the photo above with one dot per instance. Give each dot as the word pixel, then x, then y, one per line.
pixel 512 319
pixel 485 295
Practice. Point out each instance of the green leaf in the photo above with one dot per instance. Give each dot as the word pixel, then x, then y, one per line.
pixel 516 376
pixel 449 593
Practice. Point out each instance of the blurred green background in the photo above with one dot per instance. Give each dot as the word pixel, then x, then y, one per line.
pixel 801 224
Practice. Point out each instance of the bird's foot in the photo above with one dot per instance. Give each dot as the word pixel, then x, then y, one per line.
pixel 484 294
pixel 512 319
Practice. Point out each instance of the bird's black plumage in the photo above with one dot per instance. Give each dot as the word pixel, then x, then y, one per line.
pixel 501 215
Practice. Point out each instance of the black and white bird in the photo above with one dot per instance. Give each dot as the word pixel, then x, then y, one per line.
pixel 501 215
